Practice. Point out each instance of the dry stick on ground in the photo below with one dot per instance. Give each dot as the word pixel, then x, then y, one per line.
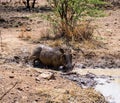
pixel 8 91
pixel 1 41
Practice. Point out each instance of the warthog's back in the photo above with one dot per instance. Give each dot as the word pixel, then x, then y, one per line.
pixel 52 57
pixel 36 52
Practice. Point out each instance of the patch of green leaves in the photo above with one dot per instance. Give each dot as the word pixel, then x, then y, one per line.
pixel 68 12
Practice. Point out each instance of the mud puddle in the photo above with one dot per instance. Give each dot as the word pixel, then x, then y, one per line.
pixel 84 81
pixel 110 89
pixel 109 86
pixel 107 82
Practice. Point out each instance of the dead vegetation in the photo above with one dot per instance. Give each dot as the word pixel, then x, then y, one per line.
pixel 82 31
pixel 25 33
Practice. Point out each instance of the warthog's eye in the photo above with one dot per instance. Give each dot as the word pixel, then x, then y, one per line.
pixel 61 50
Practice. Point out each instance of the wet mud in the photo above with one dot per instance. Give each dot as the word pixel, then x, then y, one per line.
pixel 84 81
pixel 19 58
pixel 88 80
pixel 13 22
pixel 107 85
pixel 104 62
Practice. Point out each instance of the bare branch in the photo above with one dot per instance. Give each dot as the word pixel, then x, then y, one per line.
pixel 1 41
pixel 8 91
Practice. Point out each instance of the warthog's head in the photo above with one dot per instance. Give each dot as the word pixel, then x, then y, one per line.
pixel 68 62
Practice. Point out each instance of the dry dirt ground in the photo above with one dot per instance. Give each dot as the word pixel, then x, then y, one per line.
pixel 20 83
pixel 27 85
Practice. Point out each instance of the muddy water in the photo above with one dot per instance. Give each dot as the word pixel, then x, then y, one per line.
pixel 110 90
pixel 109 87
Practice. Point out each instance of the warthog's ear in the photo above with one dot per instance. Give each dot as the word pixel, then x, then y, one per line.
pixel 73 65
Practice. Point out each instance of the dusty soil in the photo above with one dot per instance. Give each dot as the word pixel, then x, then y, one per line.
pixel 21 31
pixel 25 85
pixel 106 55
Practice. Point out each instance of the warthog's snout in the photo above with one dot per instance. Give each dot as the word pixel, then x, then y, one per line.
pixel 68 62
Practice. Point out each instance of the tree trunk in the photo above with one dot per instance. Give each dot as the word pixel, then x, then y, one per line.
pixel 33 4
pixel 28 4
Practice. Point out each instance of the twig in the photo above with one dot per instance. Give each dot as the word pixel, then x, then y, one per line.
pixel 98 32
pixel 1 41
pixel 8 91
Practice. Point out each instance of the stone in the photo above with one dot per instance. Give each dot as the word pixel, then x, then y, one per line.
pixel 11 76
pixel 47 75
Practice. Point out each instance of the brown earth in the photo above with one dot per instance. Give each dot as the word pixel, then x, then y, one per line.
pixel 26 85
pixel 20 31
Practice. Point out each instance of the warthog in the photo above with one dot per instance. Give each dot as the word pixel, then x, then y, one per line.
pixel 53 57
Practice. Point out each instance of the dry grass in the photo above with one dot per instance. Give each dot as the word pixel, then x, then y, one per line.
pixel 71 95
pixel 55 43
pixel 64 91
pixel 25 34
pixel 81 31
pixel 36 35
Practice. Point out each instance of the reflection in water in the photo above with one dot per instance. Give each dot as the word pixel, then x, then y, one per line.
pixel 110 90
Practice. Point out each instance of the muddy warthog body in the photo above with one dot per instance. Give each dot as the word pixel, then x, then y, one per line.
pixel 53 57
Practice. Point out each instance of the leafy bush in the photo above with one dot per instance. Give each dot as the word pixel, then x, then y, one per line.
pixel 68 13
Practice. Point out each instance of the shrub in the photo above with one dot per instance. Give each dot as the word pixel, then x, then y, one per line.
pixel 68 13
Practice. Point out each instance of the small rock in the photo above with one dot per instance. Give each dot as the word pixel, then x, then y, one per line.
pixel 115 22
pixel 28 29
pixel 11 76
pixel 31 75
pixel 37 79
pixel 20 89
pixel 109 30
pixel 31 20
pixel 107 24
pixel 34 102
pixel 47 75
pixel 39 22
pixel 83 67
pixel 90 75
